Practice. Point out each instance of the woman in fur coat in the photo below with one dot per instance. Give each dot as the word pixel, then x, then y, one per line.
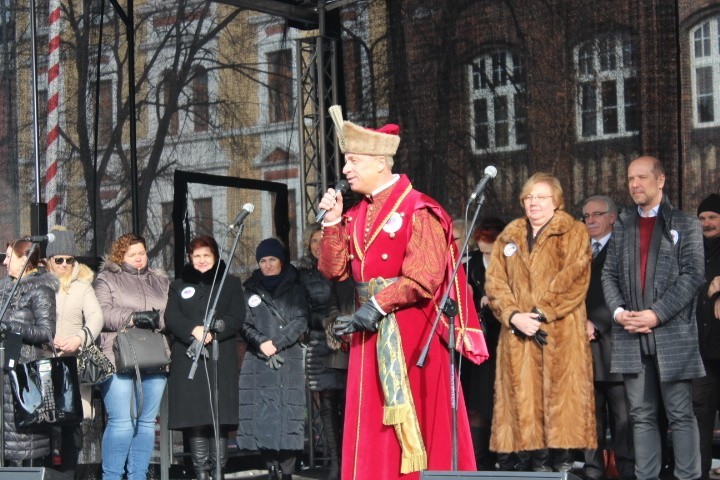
pixel 79 322
pixel 536 284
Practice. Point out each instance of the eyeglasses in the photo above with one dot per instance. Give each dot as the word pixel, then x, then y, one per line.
pixel 61 260
pixel 593 214
pixel 539 198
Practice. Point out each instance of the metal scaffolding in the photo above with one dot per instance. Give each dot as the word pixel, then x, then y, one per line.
pixel 316 91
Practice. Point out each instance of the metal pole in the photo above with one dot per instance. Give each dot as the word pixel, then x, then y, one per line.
pixel 38 210
pixel 133 120
pixel 36 124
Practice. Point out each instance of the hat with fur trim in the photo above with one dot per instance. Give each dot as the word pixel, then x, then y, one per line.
pixel 366 141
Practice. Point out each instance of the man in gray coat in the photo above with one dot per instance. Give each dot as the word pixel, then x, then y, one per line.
pixel 652 273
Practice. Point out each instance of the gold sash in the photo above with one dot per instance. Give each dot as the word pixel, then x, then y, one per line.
pixel 399 409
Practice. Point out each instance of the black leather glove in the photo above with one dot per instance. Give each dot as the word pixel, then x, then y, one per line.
pixel 193 349
pixel 275 361
pixel 365 319
pixel 540 337
pixel 149 319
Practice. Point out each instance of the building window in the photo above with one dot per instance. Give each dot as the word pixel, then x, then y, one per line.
pixel 203 216
pixel 608 103
pixel 103 90
pixel 280 85
pixel 705 71
pixel 169 233
pixel 200 100
pixel 498 115
pixel 168 79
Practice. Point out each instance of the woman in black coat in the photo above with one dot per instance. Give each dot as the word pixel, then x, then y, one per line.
pixel 31 314
pixel 327 382
pixel 478 381
pixel 272 378
pixel 190 402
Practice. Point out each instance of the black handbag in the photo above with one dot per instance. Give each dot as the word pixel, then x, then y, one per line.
pixel 46 392
pixel 136 350
pixel 93 366
pixel 140 349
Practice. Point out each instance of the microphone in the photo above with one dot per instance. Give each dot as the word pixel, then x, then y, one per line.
pixel 247 209
pixel 49 238
pixel 490 172
pixel 342 186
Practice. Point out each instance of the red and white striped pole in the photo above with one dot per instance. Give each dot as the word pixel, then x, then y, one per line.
pixel 52 145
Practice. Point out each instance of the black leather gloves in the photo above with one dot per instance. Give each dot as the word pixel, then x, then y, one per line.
pixel 540 336
pixel 149 319
pixel 193 349
pixel 275 361
pixel 365 319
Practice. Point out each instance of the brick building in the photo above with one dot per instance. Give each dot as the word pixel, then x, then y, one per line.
pixel 574 88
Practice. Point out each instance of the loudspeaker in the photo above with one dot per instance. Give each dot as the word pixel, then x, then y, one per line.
pixel 457 475
pixel 30 473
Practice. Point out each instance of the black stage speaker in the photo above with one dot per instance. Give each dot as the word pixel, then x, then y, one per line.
pixel 30 473
pixel 457 475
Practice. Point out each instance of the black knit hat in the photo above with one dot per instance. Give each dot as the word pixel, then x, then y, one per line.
pixel 711 203
pixel 270 247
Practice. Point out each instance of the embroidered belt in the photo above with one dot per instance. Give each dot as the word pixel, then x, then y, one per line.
pixel 399 408
pixel 365 290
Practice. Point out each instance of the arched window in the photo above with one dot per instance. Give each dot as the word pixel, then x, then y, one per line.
pixel 498 118
pixel 200 100
pixel 607 87
pixel 705 72
pixel 168 79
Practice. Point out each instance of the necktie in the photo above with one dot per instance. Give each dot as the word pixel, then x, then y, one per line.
pixel 596 249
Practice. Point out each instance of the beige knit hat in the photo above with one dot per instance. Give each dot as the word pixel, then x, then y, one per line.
pixel 353 138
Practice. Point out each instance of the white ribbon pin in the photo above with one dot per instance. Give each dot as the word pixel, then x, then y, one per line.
pixel 675 236
pixel 254 301
pixel 510 249
pixel 187 292
pixel 393 224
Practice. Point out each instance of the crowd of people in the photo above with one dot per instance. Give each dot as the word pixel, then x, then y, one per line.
pixel 564 327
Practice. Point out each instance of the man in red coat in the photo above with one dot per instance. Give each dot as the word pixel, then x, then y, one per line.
pixel 397 244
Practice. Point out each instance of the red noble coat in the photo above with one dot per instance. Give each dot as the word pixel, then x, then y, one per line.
pixel 380 249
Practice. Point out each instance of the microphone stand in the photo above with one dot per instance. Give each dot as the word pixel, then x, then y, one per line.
pixel 449 307
pixel 4 332
pixel 211 324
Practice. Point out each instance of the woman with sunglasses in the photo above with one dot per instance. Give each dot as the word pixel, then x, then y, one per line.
pixel 75 301
pixel 31 314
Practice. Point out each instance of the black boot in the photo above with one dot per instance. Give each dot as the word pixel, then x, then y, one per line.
pixel 199 452
pixel 562 459
pixel 272 472
pixel 331 426
pixel 486 459
pixel 222 457
pixel 286 476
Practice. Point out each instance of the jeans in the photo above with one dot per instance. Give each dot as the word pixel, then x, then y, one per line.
pixel 644 390
pixel 126 439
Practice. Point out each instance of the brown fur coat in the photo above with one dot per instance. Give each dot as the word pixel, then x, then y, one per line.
pixel 543 396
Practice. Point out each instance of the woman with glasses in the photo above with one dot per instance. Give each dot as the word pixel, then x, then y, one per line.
pixel 536 285
pixel 79 322
pixel 130 294
pixel 31 313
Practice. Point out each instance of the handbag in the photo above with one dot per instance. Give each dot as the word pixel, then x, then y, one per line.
pixel 139 349
pixel 93 366
pixel 46 392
